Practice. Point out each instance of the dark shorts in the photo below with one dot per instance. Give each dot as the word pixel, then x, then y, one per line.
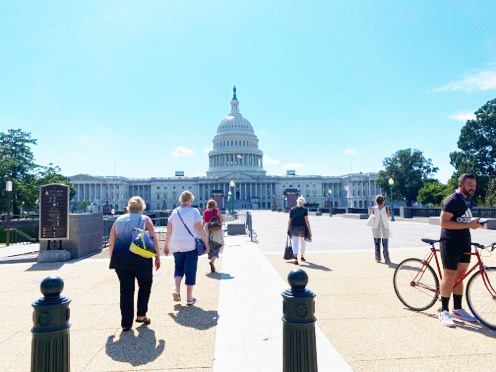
pixel 185 264
pixel 453 254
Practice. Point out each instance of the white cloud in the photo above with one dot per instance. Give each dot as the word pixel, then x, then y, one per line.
pixel 206 151
pixel 349 152
pixel 462 116
pixel 182 151
pixel 269 160
pixel 480 79
pixel 83 138
pixel 293 166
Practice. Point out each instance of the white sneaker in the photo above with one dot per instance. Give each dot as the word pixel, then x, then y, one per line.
pixel 463 315
pixel 445 318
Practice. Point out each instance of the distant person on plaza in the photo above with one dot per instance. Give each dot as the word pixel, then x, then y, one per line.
pixel 184 222
pixel 299 228
pixel 381 230
pixel 129 266
pixel 456 222
pixel 212 221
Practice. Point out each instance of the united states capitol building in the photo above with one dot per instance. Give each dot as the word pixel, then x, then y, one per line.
pixel 235 170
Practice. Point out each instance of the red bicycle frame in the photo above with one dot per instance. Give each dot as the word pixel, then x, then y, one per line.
pixel 433 254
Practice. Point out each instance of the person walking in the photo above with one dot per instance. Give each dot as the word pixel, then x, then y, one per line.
pixel 212 222
pixel 379 221
pixel 299 228
pixel 185 223
pixel 131 267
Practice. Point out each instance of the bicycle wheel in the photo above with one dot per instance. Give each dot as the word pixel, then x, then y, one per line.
pixel 479 299
pixel 416 284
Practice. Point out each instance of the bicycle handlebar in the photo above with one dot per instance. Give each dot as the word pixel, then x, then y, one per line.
pixel 490 247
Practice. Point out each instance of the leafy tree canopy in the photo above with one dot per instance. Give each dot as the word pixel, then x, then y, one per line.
pixel 410 170
pixel 433 193
pixel 477 143
pixel 17 163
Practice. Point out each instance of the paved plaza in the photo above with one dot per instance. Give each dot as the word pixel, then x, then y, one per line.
pixel 236 324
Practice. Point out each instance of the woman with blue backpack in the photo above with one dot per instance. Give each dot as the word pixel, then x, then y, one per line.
pixel 132 247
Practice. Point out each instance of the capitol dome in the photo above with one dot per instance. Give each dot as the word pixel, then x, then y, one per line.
pixel 235 146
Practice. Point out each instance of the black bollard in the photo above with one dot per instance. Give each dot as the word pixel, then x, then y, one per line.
pixel 50 347
pixel 299 344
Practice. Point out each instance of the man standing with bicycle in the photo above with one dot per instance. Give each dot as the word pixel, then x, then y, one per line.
pixel 456 222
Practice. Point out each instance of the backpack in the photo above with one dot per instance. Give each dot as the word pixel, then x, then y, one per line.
pixel 214 223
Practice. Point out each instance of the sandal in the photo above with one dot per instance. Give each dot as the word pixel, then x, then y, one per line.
pixel 191 303
pixel 176 296
pixel 145 320
pixel 303 259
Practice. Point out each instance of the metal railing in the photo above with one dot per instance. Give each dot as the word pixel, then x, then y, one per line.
pixel 19 237
pixel 160 223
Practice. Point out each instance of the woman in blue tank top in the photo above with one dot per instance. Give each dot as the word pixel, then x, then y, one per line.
pixel 129 266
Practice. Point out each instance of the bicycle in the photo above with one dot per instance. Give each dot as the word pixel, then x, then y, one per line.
pixel 417 285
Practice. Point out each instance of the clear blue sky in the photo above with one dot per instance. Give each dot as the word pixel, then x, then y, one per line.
pixel 98 82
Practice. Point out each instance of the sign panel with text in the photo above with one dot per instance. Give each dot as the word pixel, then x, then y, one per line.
pixel 54 212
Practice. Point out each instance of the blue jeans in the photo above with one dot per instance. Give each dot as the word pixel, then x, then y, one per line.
pixel 185 264
pixel 385 249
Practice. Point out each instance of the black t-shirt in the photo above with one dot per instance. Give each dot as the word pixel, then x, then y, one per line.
pixel 298 226
pixel 460 207
pixel 297 215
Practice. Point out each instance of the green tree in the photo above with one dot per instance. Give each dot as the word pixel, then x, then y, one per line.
pixel 490 195
pixel 51 174
pixel 477 143
pixel 432 193
pixel 410 171
pixel 18 164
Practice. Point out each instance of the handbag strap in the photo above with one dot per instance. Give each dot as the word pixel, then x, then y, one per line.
pixel 179 214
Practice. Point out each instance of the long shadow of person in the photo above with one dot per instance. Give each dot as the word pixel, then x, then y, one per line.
pixel 310 265
pixel 220 276
pixel 135 350
pixel 194 317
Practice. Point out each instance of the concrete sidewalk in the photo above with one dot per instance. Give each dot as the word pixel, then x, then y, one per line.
pixel 358 310
pixel 180 338
pixel 18 249
pixel 249 331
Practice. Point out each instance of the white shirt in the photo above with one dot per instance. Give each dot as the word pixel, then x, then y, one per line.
pixel 181 240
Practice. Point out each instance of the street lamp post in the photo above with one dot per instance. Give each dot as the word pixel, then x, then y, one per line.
pixel 8 189
pixel 232 186
pixel 330 202
pixel 391 183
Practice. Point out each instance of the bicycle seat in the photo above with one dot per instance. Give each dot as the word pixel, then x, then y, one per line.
pixel 429 241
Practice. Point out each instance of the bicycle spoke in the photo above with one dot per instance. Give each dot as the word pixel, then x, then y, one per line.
pixel 416 284
pixel 480 299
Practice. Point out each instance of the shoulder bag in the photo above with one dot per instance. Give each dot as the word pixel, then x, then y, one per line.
pixel 199 244
pixel 371 219
pixel 288 250
pixel 142 243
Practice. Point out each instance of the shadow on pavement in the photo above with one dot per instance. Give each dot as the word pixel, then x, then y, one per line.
pixel 220 276
pixel 309 265
pixel 45 266
pixel 194 317
pixel 467 326
pixel 9 260
pixel 135 350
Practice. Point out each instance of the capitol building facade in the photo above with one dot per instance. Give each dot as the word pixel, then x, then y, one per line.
pixel 235 170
